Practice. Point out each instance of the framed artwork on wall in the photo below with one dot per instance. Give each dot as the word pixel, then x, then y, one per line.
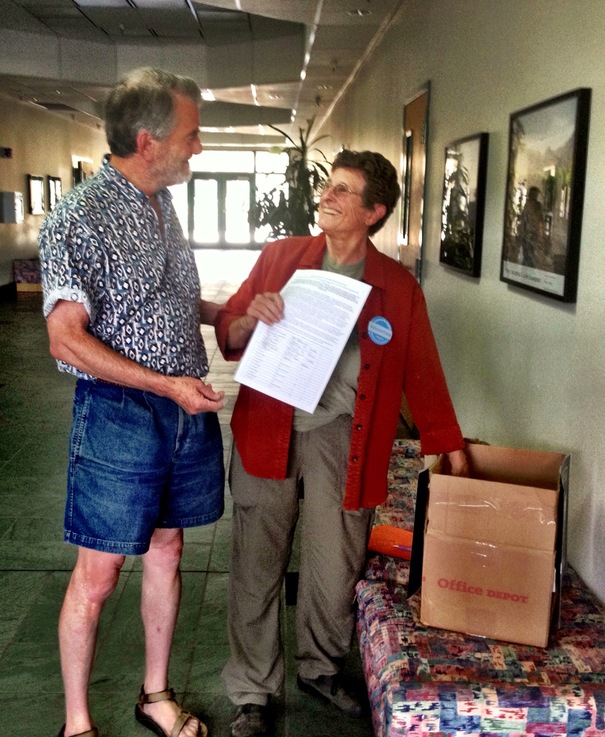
pixel 548 144
pixel 413 180
pixel 82 170
pixel 35 188
pixel 54 191
pixel 463 204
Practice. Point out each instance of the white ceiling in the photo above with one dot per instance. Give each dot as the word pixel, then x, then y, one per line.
pixel 263 59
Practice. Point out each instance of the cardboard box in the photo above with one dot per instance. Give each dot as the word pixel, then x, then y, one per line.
pixel 489 550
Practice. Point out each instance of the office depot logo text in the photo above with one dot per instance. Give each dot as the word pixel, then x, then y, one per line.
pixel 463 587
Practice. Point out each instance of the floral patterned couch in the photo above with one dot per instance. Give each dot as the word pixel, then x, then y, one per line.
pixel 427 681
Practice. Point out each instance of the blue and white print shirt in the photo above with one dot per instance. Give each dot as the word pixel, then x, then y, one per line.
pixel 102 246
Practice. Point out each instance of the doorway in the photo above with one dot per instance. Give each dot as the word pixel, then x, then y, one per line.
pixel 415 136
pixel 219 208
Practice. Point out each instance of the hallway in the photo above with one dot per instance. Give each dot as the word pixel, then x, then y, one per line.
pixel 35 415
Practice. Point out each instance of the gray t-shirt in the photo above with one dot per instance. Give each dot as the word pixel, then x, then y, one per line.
pixel 339 395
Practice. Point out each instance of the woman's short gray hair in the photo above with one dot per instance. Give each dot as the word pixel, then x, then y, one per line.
pixel 144 100
pixel 382 187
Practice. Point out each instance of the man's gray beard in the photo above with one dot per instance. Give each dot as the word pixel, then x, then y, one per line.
pixel 183 178
pixel 171 178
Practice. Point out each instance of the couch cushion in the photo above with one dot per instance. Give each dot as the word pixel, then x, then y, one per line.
pixel 428 680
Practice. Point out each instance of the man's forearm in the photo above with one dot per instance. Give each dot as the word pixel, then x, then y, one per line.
pixel 82 350
pixel 239 332
pixel 72 343
pixel 208 312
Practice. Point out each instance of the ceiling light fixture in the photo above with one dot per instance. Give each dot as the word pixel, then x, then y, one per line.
pixel 208 95
pixel 309 47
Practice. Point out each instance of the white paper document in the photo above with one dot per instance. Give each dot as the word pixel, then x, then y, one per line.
pixel 293 359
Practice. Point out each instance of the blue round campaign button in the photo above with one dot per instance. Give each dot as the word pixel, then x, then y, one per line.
pixel 380 330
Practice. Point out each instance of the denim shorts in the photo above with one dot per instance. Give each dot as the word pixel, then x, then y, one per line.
pixel 138 461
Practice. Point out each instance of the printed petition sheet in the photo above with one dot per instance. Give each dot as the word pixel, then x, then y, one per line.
pixel 293 359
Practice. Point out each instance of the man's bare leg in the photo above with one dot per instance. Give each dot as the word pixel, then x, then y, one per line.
pixel 92 582
pixel 160 599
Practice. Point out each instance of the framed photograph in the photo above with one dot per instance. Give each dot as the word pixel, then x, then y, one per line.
pixel 35 188
pixel 54 191
pixel 548 143
pixel 463 205
pixel 82 171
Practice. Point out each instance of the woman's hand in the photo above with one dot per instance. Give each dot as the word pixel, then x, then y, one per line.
pixel 268 307
pixel 459 463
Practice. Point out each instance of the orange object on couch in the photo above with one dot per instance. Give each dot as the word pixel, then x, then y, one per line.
pixel 391 540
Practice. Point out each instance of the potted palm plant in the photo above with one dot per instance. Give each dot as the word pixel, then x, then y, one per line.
pixel 290 209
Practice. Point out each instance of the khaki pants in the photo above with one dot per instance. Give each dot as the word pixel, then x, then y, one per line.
pixel 333 550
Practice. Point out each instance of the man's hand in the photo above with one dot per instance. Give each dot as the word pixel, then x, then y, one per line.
pixel 194 396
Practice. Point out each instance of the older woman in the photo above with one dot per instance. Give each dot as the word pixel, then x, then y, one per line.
pixel 340 452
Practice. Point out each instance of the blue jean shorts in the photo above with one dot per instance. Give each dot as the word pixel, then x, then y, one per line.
pixel 137 462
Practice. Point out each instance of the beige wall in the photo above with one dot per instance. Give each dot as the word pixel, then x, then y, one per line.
pixel 524 370
pixel 42 144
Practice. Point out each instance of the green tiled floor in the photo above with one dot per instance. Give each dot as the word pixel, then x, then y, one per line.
pixel 35 411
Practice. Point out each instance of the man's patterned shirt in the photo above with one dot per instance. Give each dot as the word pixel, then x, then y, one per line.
pixel 102 246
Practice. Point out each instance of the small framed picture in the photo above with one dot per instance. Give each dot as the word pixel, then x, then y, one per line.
pixel 463 205
pixel 54 191
pixel 35 188
pixel 547 150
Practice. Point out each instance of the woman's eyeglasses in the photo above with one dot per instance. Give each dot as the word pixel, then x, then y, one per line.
pixel 340 190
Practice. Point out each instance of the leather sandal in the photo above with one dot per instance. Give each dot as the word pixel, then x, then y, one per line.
pixel 94 732
pixel 147 721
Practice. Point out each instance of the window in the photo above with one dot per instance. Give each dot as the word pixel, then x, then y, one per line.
pixel 214 207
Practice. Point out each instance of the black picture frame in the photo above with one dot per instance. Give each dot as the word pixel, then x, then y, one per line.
pixel 82 171
pixel 548 145
pixel 35 189
pixel 54 191
pixel 406 184
pixel 463 203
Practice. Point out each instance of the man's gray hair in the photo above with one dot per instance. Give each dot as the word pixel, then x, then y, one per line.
pixel 144 100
